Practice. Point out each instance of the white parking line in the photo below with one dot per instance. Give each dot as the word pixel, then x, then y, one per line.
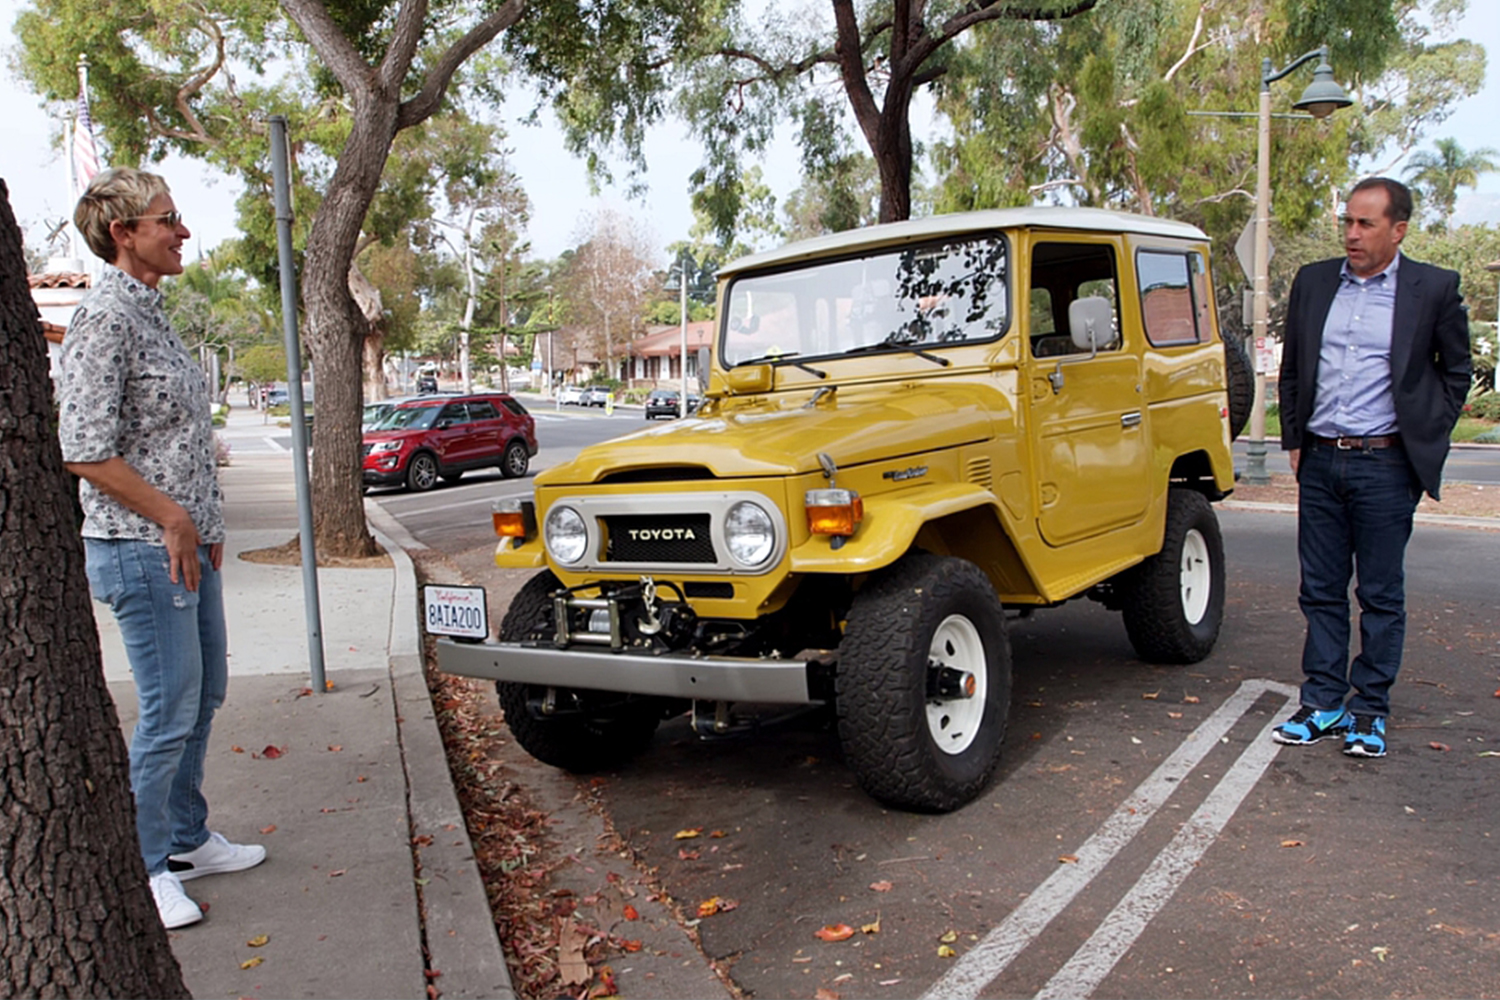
pixel 987 960
pixel 1083 973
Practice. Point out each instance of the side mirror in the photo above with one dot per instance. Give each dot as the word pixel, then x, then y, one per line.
pixel 704 359
pixel 1091 323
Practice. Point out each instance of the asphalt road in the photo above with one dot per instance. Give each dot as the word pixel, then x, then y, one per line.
pixel 1144 837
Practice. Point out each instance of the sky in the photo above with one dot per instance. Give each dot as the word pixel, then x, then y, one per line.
pixel 35 171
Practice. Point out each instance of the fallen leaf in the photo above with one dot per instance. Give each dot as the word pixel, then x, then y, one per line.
pixel 1068 859
pixel 834 932
pixel 631 913
pixel 1136 740
pixel 362 778
pixel 1291 843
pixel 236 749
pixel 709 906
pixel 881 886
pixel 431 973
pixel 1489 753
pixel 630 945
pixel 258 940
pixel 337 872
pixel 823 993
pixel 268 829
pixel 1440 746
pixel 272 752
pixel 1150 695
pixel 1174 715
pixel 432 992
pixel 1190 699
pixel 945 952
pixel 328 685
pixel 572 967
pixel 1380 951
pixel 335 748
pixel 683 854
pixel 251 963
pixel 718 834
pixel 696 831
pixel 873 928
pixel 949 937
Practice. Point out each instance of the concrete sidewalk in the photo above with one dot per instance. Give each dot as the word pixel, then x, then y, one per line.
pixel 370 887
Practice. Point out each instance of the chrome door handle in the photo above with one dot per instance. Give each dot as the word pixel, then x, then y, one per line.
pixel 1131 419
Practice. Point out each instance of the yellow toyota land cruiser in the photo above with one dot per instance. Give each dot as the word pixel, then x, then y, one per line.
pixel 907 430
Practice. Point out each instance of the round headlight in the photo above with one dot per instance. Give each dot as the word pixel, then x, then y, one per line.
pixel 750 532
pixel 566 535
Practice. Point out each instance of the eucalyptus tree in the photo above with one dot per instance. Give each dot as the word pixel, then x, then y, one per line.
pixel 352 77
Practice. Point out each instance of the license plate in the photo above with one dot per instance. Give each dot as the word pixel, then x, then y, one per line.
pixel 455 611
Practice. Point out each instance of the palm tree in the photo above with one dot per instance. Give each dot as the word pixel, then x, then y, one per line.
pixel 1438 176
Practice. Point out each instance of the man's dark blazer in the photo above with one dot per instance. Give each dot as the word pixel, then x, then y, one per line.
pixel 1430 366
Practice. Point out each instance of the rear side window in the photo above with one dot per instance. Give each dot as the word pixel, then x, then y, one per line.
pixel 483 411
pixel 1174 297
pixel 513 405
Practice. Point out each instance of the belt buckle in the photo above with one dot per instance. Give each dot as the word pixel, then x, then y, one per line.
pixel 1345 443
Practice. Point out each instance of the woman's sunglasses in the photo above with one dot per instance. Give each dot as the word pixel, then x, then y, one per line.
pixel 170 219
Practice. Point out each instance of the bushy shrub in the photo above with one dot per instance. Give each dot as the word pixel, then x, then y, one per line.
pixel 1485 406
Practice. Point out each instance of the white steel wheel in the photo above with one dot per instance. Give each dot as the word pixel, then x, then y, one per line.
pixel 954 722
pixel 1196 577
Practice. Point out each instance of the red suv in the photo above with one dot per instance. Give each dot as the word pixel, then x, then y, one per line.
pixel 423 440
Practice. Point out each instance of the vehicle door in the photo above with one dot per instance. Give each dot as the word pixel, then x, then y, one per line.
pixel 488 431
pixel 455 435
pixel 1091 442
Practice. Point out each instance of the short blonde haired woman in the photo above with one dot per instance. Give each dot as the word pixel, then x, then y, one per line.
pixel 135 425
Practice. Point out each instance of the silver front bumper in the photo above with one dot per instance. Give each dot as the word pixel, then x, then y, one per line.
pixel 708 678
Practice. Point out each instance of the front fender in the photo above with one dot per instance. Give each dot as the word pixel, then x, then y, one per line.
pixel 527 555
pixel 890 526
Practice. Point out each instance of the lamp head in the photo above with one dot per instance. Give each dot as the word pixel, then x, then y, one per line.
pixel 1323 96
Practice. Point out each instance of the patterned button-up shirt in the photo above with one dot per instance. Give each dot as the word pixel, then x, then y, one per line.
pixel 130 388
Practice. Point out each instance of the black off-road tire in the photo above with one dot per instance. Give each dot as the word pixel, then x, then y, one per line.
pixel 421 472
pixel 1239 378
pixel 1167 616
pixel 884 724
pixel 609 729
pixel 515 461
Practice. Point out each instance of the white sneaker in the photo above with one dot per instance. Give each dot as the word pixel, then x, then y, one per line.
pixel 172 903
pixel 214 857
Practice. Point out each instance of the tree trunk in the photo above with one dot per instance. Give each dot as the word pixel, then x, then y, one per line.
pixel 77 909
pixel 367 298
pixel 336 333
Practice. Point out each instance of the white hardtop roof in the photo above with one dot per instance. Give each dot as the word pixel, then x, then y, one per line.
pixel 961 223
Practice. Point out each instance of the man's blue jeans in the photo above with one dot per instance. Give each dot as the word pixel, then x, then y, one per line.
pixel 177 645
pixel 1354 515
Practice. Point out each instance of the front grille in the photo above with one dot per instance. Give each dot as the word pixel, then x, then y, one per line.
pixel 655 538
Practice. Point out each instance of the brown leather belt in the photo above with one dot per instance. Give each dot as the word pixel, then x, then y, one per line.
pixel 1359 443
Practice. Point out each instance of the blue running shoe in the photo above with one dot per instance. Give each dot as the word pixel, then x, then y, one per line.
pixel 1367 738
pixel 1310 725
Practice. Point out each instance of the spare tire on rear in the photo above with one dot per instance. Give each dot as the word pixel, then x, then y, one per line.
pixel 1239 379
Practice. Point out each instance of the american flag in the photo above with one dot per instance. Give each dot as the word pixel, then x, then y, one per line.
pixel 85 156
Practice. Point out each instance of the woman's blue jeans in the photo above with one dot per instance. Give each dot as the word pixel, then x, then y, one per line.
pixel 178 651
pixel 1354 515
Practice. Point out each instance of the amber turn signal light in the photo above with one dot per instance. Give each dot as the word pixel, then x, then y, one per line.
pixel 833 512
pixel 514 518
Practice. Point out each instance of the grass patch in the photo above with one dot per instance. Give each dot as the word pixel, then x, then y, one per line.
pixel 1469 428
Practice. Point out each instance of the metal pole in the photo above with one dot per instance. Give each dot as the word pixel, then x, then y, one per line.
pixel 1255 465
pixel 283 194
pixel 682 402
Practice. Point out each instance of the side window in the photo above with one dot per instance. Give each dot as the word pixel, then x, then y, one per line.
pixel 1061 274
pixel 513 405
pixel 454 412
pixel 1169 309
pixel 1203 295
pixel 483 411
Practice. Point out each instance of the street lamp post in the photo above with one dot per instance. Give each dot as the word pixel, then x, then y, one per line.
pixel 1321 98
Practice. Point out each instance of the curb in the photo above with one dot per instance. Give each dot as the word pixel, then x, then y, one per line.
pixel 463 946
pixel 1445 520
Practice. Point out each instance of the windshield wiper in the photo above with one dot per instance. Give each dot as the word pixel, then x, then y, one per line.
pixel 783 358
pixel 889 344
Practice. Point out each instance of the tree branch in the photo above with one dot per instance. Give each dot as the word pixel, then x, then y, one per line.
pixel 852 68
pixel 336 51
pixel 1193 48
pixel 427 100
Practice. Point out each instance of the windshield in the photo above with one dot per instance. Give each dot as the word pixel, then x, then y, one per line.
pixel 407 418
pixel 930 297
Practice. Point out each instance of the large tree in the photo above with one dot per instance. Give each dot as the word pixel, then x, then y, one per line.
pixel 608 282
pixel 867 59
pixel 76 909
pixel 1437 176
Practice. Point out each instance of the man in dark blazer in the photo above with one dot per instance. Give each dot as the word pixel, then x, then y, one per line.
pixel 1374 371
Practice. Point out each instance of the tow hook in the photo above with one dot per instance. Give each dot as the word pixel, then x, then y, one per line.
pixel 947 683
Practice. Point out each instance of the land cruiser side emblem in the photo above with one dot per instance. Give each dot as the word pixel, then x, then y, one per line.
pixel 661 534
pixel 896 475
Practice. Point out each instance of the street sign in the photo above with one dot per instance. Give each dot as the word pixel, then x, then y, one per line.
pixel 1244 252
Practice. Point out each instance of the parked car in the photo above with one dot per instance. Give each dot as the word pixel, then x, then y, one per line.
pixel 427 382
pixel 570 395
pixel 595 395
pixel 897 459
pixel 426 439
pixel 664 403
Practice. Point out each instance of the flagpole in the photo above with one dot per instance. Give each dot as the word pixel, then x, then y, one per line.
pixel 75 238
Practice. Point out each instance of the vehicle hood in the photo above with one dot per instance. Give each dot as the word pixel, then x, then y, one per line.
pixel 782 436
